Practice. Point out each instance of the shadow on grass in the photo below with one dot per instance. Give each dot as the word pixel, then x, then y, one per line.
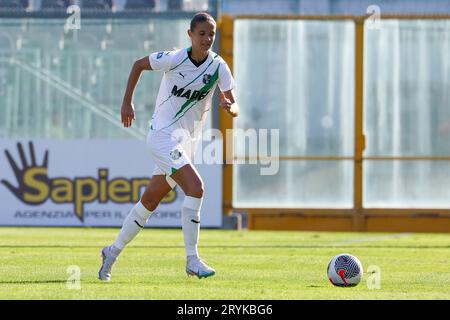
pixel 324 246
pixel 83 282
pixel 33 281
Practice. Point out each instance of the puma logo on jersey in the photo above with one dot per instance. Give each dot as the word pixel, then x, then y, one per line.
pixel 189 94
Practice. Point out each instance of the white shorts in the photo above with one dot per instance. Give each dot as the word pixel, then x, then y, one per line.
pixel 169 153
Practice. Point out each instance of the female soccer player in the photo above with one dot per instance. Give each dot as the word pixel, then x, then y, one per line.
pixel 190 78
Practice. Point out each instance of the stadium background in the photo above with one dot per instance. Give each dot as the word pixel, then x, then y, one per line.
pixel 363 110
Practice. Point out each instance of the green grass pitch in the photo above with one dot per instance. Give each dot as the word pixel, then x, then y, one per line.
pixel 284 265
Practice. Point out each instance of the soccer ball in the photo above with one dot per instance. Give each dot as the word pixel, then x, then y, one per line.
pixel 345 270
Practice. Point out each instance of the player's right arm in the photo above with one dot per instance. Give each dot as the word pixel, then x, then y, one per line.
pixel 161 60
pixel 127 112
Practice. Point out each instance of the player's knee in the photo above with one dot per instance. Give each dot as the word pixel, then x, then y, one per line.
pixel 149 202
pixel 195 190
pixel 196 193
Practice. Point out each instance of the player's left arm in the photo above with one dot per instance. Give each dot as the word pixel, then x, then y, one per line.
pixel 228 102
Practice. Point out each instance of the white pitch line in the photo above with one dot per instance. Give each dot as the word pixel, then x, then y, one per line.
pixel 372 239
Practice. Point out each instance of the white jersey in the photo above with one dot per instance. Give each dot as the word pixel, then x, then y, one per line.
pixel 186 90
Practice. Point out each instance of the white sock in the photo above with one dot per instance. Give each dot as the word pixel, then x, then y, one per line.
pixel 191 224
pixel 133 223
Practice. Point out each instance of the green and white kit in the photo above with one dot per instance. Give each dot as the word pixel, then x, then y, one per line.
pixel 183 101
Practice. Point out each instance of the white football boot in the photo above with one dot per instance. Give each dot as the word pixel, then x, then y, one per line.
pixel 108 261
pixel 196 267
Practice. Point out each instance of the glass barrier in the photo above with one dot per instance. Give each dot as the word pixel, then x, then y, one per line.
pixel 296 76
pixel 407 113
